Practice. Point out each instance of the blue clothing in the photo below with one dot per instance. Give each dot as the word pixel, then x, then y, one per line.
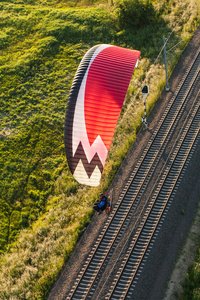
pixel 102 203
pixel 100 206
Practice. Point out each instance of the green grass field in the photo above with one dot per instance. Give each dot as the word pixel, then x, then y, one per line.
pixel 43 210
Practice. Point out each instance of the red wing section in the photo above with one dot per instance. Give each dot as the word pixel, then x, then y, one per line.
pixel 95 101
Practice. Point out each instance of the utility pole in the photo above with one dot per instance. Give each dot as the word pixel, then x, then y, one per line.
pixel 145 92
pixel 165 57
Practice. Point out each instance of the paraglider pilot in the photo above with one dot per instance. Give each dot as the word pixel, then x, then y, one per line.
pixel 99 206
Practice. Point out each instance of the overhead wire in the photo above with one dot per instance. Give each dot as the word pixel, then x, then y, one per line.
pixel 169 35
pixel 175 46
pixel 163 46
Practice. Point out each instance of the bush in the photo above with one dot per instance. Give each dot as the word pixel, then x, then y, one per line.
pixel 191 287
pixel 135 13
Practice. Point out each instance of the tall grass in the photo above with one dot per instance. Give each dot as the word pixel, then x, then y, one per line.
pixel 43 210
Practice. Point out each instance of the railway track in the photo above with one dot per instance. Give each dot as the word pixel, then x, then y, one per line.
pixel 133 225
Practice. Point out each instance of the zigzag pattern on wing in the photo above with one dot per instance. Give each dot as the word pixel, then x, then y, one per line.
pixel 80 155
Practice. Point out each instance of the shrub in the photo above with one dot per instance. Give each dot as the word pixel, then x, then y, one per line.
pixel 135 13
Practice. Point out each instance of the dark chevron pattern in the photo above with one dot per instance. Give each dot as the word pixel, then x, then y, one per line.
pixel 89 167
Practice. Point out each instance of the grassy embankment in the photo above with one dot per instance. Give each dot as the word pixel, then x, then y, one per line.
pixel 191 286
pixel 43 210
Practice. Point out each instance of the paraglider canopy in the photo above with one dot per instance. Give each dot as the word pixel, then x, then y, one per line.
pixel 95 101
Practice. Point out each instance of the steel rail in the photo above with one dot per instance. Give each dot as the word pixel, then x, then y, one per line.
pixel 89 296
pixel 101 245
pixel 156 208
pixel 165 211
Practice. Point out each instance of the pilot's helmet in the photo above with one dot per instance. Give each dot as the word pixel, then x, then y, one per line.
pixel 101 195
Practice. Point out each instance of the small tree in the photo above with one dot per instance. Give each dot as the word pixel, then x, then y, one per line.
pixel 135 13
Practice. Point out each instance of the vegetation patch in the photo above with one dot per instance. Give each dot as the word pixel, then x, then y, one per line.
pixel 191 286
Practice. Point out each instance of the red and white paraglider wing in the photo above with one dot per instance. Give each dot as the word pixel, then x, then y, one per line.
pixel 95 101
